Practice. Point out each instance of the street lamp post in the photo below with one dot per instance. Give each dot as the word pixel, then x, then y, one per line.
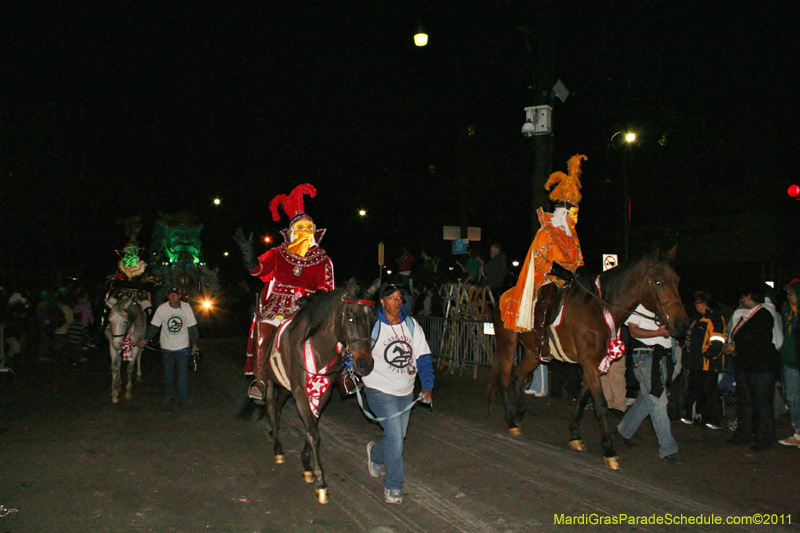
pixel 630 138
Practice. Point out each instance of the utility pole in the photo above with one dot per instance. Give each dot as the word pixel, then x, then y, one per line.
pixel 543 79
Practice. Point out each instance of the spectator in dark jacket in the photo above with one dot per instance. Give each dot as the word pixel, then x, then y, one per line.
pixel 757 364
pixel 702 362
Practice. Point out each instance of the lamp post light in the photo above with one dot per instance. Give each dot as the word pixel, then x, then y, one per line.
pixel 421 36
pixel 630 138
pixel 217 201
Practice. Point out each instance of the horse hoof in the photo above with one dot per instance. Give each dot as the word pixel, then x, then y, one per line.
pixel 308 477
pixel 280 459
pixel 114 399
pixel 515 432
pixel 322 495
pixel 128 395
pixel 577 445
pixel 612 462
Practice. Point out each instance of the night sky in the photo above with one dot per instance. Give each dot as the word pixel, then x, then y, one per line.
pixel 136 110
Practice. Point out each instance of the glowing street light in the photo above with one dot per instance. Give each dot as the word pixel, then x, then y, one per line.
pixel 362 212
pixel 217 201
pixel 225 254
pixel 630 137
pixel 421 37
pixel 267 239
pixel 515 264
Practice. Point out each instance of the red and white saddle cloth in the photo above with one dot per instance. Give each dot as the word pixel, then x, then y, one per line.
pixel 616 348
pixel 318 380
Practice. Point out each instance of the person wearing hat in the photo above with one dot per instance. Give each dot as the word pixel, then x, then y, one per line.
pixel 401 353
pixel 178 334
pixel 703 361
pixel 555 254
pixel 296 268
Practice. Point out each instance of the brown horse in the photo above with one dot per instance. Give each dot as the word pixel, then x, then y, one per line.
pixel 584 334
pixel 305 359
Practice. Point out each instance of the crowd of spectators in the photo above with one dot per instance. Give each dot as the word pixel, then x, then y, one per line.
pixel 49 322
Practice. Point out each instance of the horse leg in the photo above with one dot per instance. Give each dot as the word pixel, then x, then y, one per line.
pixel 520 379
pixel 500 376
pixel 575 441
pixel 139 364
pixel 275 401
pixel 116 363
pixel 592 378
pixel 129 384
pixel 311 423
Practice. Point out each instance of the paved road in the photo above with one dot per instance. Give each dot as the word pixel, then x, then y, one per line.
pixel 72 461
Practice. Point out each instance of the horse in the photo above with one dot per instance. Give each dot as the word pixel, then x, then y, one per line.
pixel 305 357
pixel 127 325
pixel 583 337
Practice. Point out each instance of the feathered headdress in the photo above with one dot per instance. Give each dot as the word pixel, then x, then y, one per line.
pixel 568 186
pixel 292 203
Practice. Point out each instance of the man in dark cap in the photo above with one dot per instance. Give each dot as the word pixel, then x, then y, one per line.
pixel 178 334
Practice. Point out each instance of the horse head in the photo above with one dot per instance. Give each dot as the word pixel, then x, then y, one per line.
pixel 124 314
pixel 660 291
pixel 355 327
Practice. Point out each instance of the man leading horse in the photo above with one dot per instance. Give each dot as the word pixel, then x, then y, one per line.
pixel 296 268
pixel 553 257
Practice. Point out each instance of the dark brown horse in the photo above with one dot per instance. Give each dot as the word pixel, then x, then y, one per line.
pixel 305 358
pixel 584 334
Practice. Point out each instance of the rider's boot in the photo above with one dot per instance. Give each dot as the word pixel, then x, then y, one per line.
pixel 541 311
pixel 258 388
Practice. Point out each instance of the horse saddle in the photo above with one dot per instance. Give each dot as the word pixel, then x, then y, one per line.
pixel 554 319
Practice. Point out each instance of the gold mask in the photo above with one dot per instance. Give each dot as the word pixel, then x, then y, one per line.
pixel 303 237
pixel 573 215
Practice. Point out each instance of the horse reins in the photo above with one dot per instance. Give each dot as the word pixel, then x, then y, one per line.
pixel 348 341
pixel 609 305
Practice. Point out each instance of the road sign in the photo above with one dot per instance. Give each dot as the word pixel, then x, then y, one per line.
pixel 609 261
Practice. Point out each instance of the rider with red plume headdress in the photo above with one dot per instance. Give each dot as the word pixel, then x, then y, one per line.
pixel 296 268
pixel 554 255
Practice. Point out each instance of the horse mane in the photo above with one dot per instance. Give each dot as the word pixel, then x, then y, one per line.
pixel 615 280
pixel 319 308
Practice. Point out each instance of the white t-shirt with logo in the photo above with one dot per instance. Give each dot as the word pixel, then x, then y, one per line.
pixel 175 324
pixel 394 372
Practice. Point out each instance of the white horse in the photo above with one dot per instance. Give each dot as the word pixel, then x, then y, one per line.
pixel 127 324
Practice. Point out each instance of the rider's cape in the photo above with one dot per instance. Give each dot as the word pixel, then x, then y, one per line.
pixel 551 245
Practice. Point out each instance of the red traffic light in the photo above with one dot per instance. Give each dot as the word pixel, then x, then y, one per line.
pixel 794 191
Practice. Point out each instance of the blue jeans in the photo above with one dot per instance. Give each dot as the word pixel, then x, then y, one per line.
pixel 389 451
pixel 648 405
pixel 179 359
pixel 791 386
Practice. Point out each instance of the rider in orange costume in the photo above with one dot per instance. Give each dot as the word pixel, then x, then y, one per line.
pixel 556 243
pixel 296 268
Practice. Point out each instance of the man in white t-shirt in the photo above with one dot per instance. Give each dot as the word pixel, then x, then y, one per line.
pixel 400 352
pixel 651 346
pixel 178 333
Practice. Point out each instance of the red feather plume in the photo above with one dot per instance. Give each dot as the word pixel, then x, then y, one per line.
pixel 293 203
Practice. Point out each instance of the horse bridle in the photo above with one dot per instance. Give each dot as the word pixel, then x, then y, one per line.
pixel 650 284
pixel 348 342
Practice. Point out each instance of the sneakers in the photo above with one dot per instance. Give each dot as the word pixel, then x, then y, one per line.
pixel 794 440
pixel 374 469
pixel 393 495
pixel 687 421
pixel 716 427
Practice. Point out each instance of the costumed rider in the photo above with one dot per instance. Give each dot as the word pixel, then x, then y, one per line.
pixel 552 259
pixel 296 268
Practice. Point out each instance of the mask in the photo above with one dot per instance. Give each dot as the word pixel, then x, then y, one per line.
pixel 302 237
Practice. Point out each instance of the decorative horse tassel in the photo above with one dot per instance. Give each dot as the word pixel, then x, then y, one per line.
pixel 127 348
